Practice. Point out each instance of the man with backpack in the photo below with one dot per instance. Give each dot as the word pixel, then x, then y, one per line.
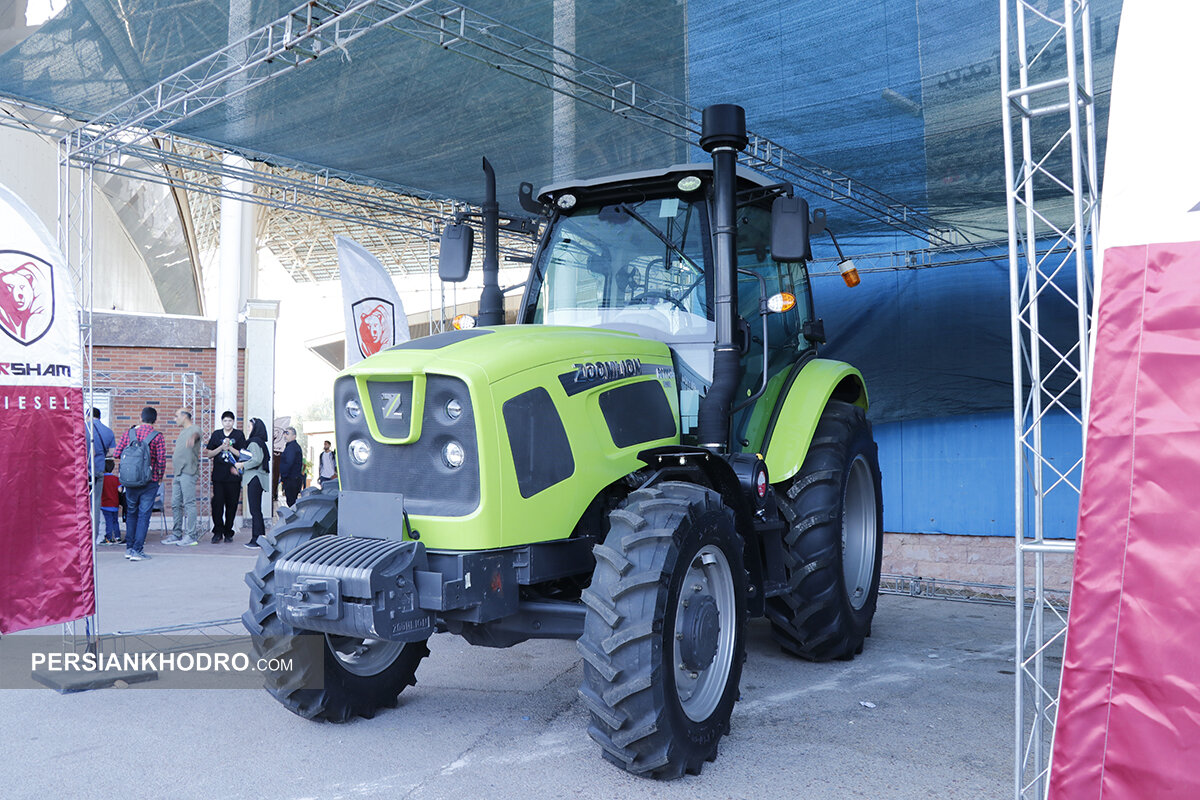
pixel 143 457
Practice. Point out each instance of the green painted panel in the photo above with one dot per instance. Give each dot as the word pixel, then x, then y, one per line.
pixel 802 407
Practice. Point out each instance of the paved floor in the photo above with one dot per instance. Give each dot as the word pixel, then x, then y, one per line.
pixel 508 723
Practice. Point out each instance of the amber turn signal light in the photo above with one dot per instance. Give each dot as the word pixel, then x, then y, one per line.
pixel 778 303
pixel 850 273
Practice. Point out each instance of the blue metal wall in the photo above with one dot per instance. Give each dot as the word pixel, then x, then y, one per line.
pixel 955 475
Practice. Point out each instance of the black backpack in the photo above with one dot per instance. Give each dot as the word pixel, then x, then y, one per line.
pixel 135 470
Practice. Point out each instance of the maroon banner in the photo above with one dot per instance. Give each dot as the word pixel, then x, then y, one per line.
pixel 45 526
pixel 1130 703
pixel 45 532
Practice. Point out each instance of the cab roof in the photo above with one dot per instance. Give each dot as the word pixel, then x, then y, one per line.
pixel 652 181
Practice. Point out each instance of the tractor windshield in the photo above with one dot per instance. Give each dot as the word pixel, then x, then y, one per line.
pixel 641 266
pixel 635 266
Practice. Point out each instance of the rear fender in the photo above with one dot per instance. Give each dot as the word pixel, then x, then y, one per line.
pixel 787 440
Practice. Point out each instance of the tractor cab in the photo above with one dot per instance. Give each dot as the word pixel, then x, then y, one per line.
pixel 634 253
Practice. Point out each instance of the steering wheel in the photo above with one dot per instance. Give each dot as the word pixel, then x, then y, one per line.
pixel 644 296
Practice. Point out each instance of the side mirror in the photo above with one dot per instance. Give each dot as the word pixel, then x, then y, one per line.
pixel 454 254
pixel 789 230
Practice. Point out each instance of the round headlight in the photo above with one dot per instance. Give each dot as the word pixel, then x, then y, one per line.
pixel 565 202
pixel 453 455
pixel 689 184
pixel 353 409
pixel 360 451
pixel 453 408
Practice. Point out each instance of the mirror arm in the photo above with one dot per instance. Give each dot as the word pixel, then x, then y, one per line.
pixel 835 244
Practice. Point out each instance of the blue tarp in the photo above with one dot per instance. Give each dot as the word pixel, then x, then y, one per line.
pixel 955 475
pixel 934 345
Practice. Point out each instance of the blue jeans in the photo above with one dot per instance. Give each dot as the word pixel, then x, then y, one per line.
pixel 140 502
pixel 112 528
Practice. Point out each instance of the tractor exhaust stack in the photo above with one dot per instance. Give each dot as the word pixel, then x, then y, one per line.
pixel 723 135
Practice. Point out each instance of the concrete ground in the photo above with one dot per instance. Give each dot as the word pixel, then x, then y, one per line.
pixel 925 711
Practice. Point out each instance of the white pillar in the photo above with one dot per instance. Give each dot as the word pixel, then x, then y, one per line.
pixel 236 251
pixel 236 256
pixel 260 375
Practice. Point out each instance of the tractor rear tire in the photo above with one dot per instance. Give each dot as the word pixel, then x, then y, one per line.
pixel 664 636
pixel 353 677
pixel 834 548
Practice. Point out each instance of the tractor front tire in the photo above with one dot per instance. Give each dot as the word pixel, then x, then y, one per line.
pixel 664 636
pixel 351 677
pixel 834 547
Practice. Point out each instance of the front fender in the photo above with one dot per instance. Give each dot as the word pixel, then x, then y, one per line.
pixel 787 440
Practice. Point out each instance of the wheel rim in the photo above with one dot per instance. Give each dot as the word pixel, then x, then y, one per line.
pixel 363 657
pixel 859 533
pixel 704 633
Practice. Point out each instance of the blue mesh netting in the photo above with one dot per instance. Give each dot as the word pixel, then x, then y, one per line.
pixel 901 94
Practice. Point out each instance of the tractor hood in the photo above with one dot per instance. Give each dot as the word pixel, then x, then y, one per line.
pixel 476 433
pixel 496 353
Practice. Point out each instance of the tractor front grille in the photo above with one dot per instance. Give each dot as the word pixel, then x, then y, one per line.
pixel 430 486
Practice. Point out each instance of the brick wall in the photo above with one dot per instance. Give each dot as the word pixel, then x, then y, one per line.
pixel 972 559
pixel 167 363
pixel 165 378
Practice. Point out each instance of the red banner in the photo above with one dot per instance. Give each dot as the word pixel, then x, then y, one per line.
pixel 1130 703
pixel 45 523
pixel 45 546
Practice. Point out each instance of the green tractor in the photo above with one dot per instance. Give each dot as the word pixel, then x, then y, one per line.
pixel 654 454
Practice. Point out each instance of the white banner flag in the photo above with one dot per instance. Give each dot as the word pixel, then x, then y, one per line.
pixel 375 318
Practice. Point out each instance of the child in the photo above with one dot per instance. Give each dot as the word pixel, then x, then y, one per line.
pixel 109 498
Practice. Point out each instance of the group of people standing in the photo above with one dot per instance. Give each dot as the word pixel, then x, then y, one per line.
pixel 239 460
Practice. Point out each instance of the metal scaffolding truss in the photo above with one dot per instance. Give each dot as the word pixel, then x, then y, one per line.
pixel 930 257
pixel 172 389
pixel 305 207
pixel 1050 141
pixel 320 27
pixel 400 220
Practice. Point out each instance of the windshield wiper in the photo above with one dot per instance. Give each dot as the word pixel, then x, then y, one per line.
pixel 662 237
